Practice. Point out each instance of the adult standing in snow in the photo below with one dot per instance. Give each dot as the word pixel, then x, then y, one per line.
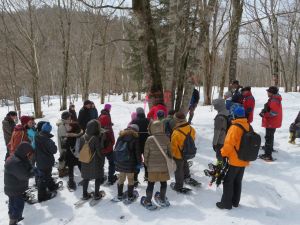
pixel 44 155
pixel 17 171
pixel 133 159
pixel 143 124
pixel 73 113
pixel 84 115
pixel 107 151
pixel 232 185
pixel 156 163
pixel 8 125
pixel 294 129
pixel 20 133
pixel 193 104
pixel 237 96
pixel 271 120
pixel 220 127
pixel 93 111
pixel 248 103
pixel 95 168
pixel 152 115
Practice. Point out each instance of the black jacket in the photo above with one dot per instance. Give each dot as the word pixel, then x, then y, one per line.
pixel 45 150
pixel 73 115
pixel 131 137
pixel 143 124
pixel 84 117
pixel 8 126
pixel 17 171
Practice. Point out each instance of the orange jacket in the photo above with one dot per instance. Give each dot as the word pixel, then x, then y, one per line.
pixel 233 141
pixel 178 138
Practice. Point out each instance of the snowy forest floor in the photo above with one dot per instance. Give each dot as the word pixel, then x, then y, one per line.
pixel 270 195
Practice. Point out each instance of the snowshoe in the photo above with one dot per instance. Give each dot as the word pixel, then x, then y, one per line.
pixel 161 203
pixel 71 186
pixel 148 205
pixel 83 200
pixel 182 190
pixel 266 158
pixel 192 182
pixel 96 198
pixel 136 184
pixel 58 186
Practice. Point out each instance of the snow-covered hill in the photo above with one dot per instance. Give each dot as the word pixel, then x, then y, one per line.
pixel 271 191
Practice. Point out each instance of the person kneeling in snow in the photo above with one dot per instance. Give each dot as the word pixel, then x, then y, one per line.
pixel 232 185
pixel 17 171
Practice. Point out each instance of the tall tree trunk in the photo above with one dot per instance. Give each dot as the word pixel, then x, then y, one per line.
pixel 296 62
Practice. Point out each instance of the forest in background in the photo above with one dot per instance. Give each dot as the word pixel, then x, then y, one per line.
pixel 162 47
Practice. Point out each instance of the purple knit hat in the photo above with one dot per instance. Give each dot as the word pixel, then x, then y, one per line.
pixel 107 107
pixel 133 115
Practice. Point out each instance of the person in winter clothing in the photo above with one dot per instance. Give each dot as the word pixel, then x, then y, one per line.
pixel 295 129
pixel 84 115
pixel 71 154
pixel 44 155
pixel 73 113
pixel 271 120
pixel 152 115
pixel 248 103
pixel 128 167
pixel 95 168
pixel 228 100
pixel 31 133
pixel 20 133
pixel 220 127
pixel 143 124
pixel 107 151
pixel 232 185
pixel 155 161
pixel 17 171
pixel 169 123
pixel 133 117
pixel 93 111
pixel 160 115
pixel 8 125
pixel 193 104
pixel 177 141
pixel 237 96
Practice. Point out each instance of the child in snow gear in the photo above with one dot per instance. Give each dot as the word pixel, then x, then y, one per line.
pixel 271 120
pixel 44 154
pixel 109 141
pixel 156 162
pixel 143 124
pixel 8 125
pixel 169 123
pixel 220 127
pixel 180 132
pixel 95 168
pixel 232 185
pixel 295 130
pixel 72 152
pixel 248 103
pixel 127 157
pixel 193 104
pixel 17 171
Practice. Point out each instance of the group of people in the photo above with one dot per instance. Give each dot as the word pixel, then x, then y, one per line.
pixel 148 141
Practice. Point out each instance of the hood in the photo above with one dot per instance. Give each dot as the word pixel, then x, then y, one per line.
pixel 19 127
pixel 93 128
pixel 247 94
pixel 277 97
pixel 242 121
pixel 128 134
pixel 156 127
pixel 60 122
pixel 219 105
pixel 22 150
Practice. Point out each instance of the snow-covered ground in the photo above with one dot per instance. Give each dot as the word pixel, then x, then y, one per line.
pixel 271 191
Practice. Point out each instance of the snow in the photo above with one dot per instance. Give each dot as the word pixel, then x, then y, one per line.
pixel 270 195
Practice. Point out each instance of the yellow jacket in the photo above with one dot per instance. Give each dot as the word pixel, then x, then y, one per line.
pixel 178 138
pixel 233 141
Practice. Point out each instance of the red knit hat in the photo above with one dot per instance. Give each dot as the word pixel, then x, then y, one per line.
pixel 25 119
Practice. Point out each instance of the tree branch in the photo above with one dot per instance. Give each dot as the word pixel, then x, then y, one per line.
pixel 115 40
pixel 105 6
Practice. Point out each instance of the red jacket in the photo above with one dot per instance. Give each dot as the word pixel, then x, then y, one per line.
pixel 249 105
pixel 152 114
pixel 273 117
pixel 105 121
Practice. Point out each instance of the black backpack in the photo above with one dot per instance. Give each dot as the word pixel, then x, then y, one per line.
pixel 250 144
pixel 121 151
pixel 189 149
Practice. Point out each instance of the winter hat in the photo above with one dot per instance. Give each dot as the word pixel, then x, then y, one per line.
pixel 248 88
pixel 39 125
pixel 87 102
pixel 235 82
pixel 140 110
pixel 107 107
pixel 134 127
pixel 179 117
pixel 65 115
pixel 274 90
pixel 47 128
pixel 160 114
pixel 11 113
pixel 25 119
pixel 133 115
pixel 239 112
pixel 228 94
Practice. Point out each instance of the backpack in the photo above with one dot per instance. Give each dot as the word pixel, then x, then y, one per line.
pixel 85 154
pixel 189 149
pixel 228 120
pixel 250 144
pixel 121 151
